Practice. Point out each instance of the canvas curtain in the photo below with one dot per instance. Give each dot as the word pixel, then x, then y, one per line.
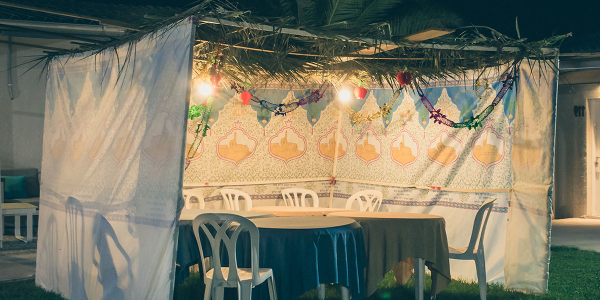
pixel 528 232
pixel 418 165
pixel 112 169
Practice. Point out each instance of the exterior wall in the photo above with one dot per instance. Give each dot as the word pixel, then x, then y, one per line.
pixel 570 157
pixel 22 119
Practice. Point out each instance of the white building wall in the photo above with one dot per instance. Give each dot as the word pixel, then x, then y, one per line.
pixel 22 119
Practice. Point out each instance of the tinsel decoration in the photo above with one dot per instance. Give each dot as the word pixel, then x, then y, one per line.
pixel 282 109
pixel 358 118
pixel 473 122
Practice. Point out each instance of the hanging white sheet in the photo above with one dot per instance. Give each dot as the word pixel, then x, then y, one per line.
pixel 112 169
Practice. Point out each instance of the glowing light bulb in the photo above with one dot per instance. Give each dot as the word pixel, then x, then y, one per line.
pixel 205 89
pixel 344 96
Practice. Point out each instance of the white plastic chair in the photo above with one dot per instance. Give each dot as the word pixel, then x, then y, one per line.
pixel 218 277
pixel 190 194
pixel 297 197
pixel 231 199
pixel 476 254
pixel 373 200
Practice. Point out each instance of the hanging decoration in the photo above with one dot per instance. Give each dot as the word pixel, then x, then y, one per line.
pixel 203 112
pixel 360 92
pixel 472 122
pixel 215 70
pixel 404 78
pixel 246 96
pixel 280 109
pixel 358 118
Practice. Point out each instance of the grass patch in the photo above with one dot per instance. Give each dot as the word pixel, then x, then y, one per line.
pixel 25 290
pixel 574 274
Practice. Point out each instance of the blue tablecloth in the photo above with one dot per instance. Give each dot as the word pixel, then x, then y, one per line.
pixel 303 252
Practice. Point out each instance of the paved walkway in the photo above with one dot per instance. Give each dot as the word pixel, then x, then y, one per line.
pixel 17 264
pixel 581 233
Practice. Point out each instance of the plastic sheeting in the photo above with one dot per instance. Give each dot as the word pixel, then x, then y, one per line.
pixel 112 169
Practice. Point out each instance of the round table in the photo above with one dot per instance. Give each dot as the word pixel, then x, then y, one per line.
pixel 307 251
pixel 294 211
pixel 187 247
pixel 188 215
pixel 405 235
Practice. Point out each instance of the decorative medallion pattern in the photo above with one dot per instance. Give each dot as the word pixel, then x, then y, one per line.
pixel 287 144
pixel 404 149
pixel 327 145
pixel 236 145
pixel 159 141
pixel 444 148
pixel 488 147
pixel 368 146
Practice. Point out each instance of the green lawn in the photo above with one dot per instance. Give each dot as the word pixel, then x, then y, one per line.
pixel 574 274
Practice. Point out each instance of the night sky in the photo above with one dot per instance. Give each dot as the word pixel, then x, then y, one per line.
pixel 538 19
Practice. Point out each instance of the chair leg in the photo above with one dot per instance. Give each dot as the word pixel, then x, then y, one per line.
pixel 321 290
pixel 218 293
pixel 245 290
pixel 272 289
pixel 345 293
pixel 481 277
pixel 207 288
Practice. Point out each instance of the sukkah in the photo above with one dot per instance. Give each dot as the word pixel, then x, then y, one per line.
pixel 132 187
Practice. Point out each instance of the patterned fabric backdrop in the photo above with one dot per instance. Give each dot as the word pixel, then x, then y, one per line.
pixel 248 144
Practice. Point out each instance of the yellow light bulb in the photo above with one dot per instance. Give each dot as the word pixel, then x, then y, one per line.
pixel 344 96
pixel 205 89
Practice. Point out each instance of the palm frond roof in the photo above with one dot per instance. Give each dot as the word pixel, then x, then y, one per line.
pixel 300 40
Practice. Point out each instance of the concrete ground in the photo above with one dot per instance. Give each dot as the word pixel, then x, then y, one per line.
pixel 581 233
pixel 17 259
pixel 17 264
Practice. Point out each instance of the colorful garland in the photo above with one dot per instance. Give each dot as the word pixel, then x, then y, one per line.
pixel 358 118
pixel 472 122
pixel 280 109
pixel 203 112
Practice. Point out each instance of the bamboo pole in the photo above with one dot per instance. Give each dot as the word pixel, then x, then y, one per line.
pixel 335 154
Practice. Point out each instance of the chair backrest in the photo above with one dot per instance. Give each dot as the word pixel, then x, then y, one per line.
pixel 297 197
pixel 478 228
pixel 191 196
pixel 225 230
pixel 372 201
pixel 231 199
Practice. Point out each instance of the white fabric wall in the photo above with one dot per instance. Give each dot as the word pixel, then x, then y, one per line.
pixel 112 169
